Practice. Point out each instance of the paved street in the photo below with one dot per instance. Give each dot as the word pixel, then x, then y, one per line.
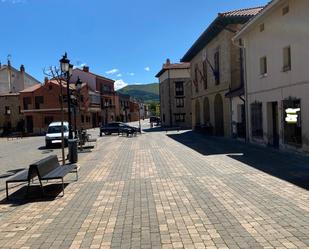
pixel 165 190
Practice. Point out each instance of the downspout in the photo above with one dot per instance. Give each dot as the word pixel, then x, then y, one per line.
pixel 244 82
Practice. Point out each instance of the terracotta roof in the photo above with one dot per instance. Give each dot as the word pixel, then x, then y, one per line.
pixel 242 12
pixel 97 75
pixel 168 66
pixel 223 19
pixel 8 94
pixel 31 88
pixel 266 9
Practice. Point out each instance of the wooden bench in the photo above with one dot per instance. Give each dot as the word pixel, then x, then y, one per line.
pixel 45 169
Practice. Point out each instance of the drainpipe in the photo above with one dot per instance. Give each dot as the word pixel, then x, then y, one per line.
pixel 244 82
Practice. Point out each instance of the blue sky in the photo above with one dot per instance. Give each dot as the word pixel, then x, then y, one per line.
pixel 125 40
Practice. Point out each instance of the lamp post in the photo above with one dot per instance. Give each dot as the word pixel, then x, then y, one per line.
pixel 67 69
pixel 78 86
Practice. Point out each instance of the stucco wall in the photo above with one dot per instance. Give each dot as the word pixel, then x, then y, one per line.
pixel 280 31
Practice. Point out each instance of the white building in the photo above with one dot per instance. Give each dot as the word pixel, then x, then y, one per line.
pixel 13 80
pixel 276 46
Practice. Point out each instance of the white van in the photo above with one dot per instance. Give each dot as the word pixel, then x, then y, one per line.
pixel 53 134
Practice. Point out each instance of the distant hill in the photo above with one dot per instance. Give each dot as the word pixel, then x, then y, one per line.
pixel 148 92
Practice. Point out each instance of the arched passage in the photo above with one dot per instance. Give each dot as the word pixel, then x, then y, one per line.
pixel 219 120
pixel 206 111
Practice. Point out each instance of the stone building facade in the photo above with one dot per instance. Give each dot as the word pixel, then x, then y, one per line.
pixel 11 119
pixel 13 80
pixel 276 46
pixel 216 72
pixel 175 94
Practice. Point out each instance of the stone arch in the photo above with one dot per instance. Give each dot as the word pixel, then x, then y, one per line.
pixel 219 118
pixel 197 113
pixel 206 111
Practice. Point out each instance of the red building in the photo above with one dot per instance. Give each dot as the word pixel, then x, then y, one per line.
pixel 41 105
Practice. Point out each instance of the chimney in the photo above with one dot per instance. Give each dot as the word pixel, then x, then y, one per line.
pixel 22 68
pixel 168 62
pixel 46 80
pixel 86 69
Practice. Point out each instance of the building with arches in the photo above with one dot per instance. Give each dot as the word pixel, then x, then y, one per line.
pixel 217 85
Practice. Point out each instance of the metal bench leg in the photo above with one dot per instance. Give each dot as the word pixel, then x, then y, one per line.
pixel 7 190
pixel 28 186
pixel 41 187
pixel 62 187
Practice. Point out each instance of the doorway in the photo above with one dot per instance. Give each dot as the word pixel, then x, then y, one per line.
pixel 273 124
pixel 29 124
pixel 219 120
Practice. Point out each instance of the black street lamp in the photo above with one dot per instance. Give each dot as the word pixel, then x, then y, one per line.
pixel 78 86
pixel 67 70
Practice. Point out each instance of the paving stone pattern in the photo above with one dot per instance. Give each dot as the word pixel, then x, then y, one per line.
pixel 152 191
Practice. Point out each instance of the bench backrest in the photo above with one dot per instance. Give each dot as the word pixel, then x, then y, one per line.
pixel 44 166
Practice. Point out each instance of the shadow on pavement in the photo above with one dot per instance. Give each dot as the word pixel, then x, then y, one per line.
pixel 286 166
pixel 10 173
pixel 20 197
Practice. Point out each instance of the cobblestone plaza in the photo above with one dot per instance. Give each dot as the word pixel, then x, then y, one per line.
pixel 167 190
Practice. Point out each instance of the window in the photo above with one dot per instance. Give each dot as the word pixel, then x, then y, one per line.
pixel 205 74
pixel 217 67
pixel 38 101
pixel 179 88
pixel 48 120
pixel 82 118
pixel 256 120
pixel 263 66
pixel 180 102
pixel 292 122
pixel 7 110
pixel 286 59
pixel 26 102
pixel 285 10
pixel 180 117
pixel 262 27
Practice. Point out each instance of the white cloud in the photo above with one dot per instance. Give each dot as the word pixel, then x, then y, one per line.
pixel 147 69
pixel 119 75
pixel 80 65
pixel 131 74
pixel 112 71
pixel 13 1
pixel 119 84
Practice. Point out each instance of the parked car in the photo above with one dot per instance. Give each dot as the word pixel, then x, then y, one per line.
pixel 116 127
pixel 53 134
pixel 154 119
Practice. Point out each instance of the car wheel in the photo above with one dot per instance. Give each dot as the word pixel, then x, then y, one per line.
pixel 100 134
pixel 47 145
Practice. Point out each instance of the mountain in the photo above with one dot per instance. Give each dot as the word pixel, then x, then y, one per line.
pixel 148 92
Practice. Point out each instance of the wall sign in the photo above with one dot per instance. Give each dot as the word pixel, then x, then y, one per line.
pixel 292 115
